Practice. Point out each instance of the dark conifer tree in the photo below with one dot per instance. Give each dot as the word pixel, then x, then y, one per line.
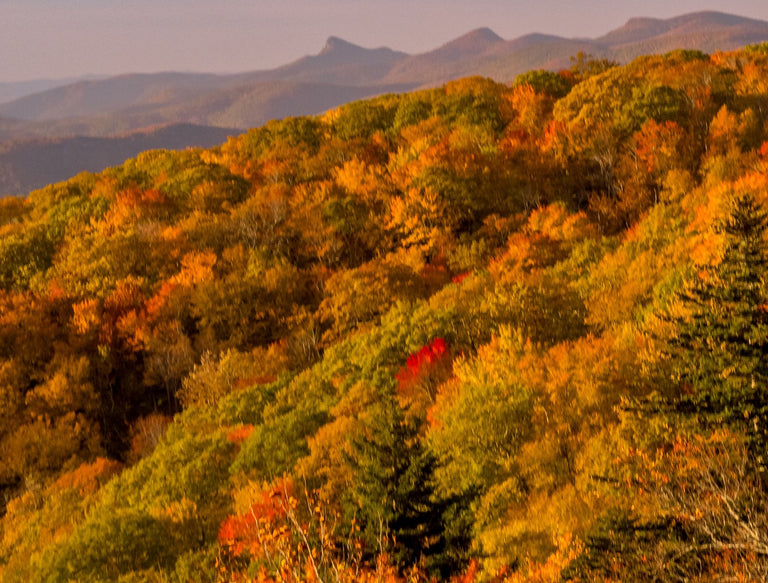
pixel 721 347
pixel 719 354
pixel 393 493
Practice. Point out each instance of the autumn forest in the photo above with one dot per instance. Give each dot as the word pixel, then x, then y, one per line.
pixel 482 332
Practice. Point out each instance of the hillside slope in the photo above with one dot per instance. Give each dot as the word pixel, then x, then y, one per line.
pixel 480 331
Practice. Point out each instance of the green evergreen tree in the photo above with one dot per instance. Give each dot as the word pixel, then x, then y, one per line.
pixel 393 491
pixel 720 349
pixel 718 355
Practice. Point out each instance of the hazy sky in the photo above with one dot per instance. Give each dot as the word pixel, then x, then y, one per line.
pixel 62 38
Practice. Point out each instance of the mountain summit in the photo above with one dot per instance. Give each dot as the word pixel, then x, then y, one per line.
pixel 338 46
pixel 340 62
pixel 475 42
pixel 720 25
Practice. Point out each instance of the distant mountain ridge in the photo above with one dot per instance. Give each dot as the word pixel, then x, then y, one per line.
pixel 502 60
pixel 343 64
pixel 638 29
pixel 339 73
pixel 18 89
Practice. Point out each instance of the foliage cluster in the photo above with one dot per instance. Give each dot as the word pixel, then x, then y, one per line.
pixel 478 332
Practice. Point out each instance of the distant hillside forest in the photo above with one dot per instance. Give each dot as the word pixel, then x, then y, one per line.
pixel 482 332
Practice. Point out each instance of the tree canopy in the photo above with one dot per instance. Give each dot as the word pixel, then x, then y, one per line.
pixel 475 333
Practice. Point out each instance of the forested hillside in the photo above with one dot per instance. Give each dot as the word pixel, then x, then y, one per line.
pixel 482 332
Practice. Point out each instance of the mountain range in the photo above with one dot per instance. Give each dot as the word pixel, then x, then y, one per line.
pixel 140 111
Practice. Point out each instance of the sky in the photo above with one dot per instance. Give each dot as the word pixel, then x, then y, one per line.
pixel 52 39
